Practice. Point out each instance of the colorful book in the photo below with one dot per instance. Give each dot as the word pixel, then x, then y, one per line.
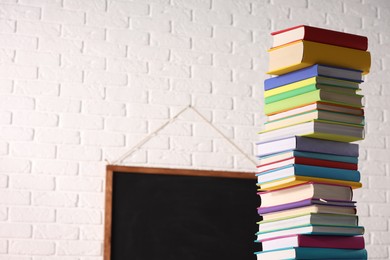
pixel 312 253
pixel 306 161
pixel 314 71
pixel 347 85
pixel 315 34
pixel 318 106
pixel 302 54
pixel 306 202
pixel 321 129
pixel 309 88
pixel 320 209
pixel 310 190
pixel 267 159
pixel 308 171
pixel 311 97
pixel 342 242
pixel 295 180
pixel 310 219
pixel 314 115
pixel 305 144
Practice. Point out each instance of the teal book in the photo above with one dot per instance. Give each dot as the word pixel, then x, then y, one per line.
pixel 308 171
pixel 314 155
pixel 312 253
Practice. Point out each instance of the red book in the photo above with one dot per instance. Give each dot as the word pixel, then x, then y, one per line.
pixel 321 35
pixel 306 161
pixel 345 242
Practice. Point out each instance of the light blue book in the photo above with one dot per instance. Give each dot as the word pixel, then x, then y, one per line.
pixel 312 253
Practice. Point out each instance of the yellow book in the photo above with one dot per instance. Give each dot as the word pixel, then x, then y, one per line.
pixel 295 180
pixel 301 54
pixel 313 80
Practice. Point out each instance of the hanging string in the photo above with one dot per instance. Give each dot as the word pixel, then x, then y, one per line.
pixel 155 132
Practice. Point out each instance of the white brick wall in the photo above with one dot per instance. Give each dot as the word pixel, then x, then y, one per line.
pixel 84 81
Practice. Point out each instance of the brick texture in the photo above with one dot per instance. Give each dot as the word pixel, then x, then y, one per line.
pixel 84 81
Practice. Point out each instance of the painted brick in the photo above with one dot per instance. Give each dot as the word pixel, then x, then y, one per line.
pixel 52 14
pixel 55 231
pixel 85 248
pixel 66 183
pixel 16 71
pixel 83 32
pixel 91 200
pixel 191 86
pixel 57 136
pixel 15 230
pixel 79 216
pixel 40 28
pixel 127 37
pixel 93 169
pixel 16 12
pixel 32 214
pixel 149 82
pixel 212 45
pixel 77 121
pixel 126 9
pixel 167 40
pixel 162 157
pixel 150 24
pixel 30 118
pixel 73 152
pixel 146 53
pixel 104 108
pixel 127 65
pixel 213 160
pixel 209 17
pixel 29 247
pixel 31 58
pixel 60 45
pixel 163 11
pixel 11 197
pixel 82 62
pixel 97 5
pixel 10 165
pixel 161 69
pixel 36 88
pixel 92 233
pixel 104 49
pixel 59 105
pixel 169 98
pixel 211 73
pixel 124 124
pixel 192 29
pixel 55 167
pixel 81 91
pixel 94 138
pixel 191 57
pixel 7 26
pixel 5 118
pixel 29 182
pixel 60 74
pixel 54 198
pixel 105 19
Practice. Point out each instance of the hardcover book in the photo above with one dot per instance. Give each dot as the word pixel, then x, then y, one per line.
pixel 345 242
pixel 306 144
pixel 308 171
pixel 312 253
pixel 302 54
pixel 331 72
pixel 322 35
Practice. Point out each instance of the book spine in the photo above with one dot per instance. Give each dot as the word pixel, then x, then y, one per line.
pixel 290 93
pixel 291 77
pixel 328 173
pixel 331 241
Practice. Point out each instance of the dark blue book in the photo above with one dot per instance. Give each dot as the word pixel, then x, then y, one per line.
pixel 313 71
pixel 312 253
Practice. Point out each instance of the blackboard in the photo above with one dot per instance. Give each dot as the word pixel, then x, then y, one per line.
pixel 172 214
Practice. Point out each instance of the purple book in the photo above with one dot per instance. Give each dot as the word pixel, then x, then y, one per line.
pixel 306 202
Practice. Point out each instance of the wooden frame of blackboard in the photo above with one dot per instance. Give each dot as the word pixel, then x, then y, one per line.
pixel 111 169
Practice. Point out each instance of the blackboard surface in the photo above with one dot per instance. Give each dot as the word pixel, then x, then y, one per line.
pixel 172 217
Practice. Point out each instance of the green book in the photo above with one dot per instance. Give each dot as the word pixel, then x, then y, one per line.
pixel 308 88
pixel 311 97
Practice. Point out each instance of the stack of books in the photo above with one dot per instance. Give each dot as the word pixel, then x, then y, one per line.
pixel 308 161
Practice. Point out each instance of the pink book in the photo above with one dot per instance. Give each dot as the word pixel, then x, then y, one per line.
pixel 344 242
